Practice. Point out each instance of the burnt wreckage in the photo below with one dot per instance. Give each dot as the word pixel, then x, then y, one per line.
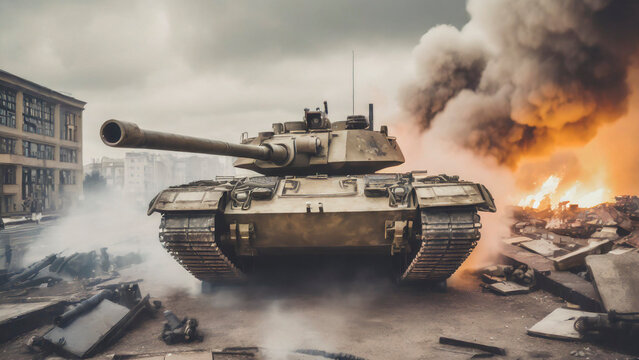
pixel 319 194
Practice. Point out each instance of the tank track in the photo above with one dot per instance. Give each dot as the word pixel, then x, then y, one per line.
pixel 447 238
pixel 190 239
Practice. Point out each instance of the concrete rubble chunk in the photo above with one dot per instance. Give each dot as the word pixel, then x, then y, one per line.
pixel 559 324
pixel 541 247
pixel 577 257
pixel 616 278
pixel 509 288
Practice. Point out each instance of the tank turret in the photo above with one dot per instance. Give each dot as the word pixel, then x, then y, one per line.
pixel 311 146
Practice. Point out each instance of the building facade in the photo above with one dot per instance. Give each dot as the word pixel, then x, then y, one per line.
pixel 112 170
pixel 40 147
pixel 141 175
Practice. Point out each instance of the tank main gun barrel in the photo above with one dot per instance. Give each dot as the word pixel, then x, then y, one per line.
pixel 123 134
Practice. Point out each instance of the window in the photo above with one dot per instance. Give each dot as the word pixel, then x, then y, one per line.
pixel 38 116
pixel 37 151
pixel 8 175
pixel 67 177
pixel 37 187
pixel 68 155
pixel 7 145
pixel 7 107
pixel 68 129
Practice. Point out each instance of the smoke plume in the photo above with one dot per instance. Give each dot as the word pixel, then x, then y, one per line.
pixel 525 78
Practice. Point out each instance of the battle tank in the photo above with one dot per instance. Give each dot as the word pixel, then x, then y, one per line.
pixel 319 193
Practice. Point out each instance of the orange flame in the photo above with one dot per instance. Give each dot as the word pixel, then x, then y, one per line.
pixel 550 195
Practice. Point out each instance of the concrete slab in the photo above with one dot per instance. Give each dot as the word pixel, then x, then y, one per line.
pixel 197 355
pixel 617 280
pixel 541 247
pixel 16 319
pixel 80 337
pixel 577 257
pixel 516 240
pixel 559 324
pixel 509 288
pixel 570 287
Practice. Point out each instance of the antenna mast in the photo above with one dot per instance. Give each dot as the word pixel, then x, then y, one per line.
pixel 353 82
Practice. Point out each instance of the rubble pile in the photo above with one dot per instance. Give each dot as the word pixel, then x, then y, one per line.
pixel 588 256
pixel 568 234
pixel 92 267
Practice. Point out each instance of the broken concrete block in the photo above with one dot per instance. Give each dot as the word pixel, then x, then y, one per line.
pixel 516 240
pixel 617 280
pixel 559 324
pixel 578 257
pixel 509 288
pixel 541 247
pixel 606 233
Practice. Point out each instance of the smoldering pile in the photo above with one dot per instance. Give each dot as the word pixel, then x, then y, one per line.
pixel 525 78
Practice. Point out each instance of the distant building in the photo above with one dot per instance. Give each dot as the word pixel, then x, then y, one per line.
pixel 112 170
pixel 40 147
pixel 141 175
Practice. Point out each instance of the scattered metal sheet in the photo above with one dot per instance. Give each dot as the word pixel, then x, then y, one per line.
pixel 473 345
pixel 559 324
pixel 617 280
pixel 16 319
pixel 93 330
pixel 83 335
pixel 509 288
pixel 541 247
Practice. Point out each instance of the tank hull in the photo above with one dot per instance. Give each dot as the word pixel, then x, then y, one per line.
pixel 428 224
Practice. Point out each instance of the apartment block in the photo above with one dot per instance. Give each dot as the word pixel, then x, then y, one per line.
pixel 40 147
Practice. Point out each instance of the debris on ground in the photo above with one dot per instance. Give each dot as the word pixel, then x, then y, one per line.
pixel 93 323
pixel 617 280
pixel 559 324
pixel 472 344
pixel 620 330
pixel 179 331
pixel 89 266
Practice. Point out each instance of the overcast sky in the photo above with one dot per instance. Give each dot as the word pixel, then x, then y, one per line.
pixel 217 68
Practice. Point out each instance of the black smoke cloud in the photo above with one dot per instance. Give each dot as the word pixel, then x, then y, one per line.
pixel 524 78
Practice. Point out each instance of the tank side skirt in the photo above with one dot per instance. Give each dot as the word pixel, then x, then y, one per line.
pixel 190 239
pixel 448 236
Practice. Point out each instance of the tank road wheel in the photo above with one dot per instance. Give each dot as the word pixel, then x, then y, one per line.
pixel 448 235
pixel 190 239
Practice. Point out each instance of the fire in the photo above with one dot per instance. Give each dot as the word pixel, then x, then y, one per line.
pixel 550 195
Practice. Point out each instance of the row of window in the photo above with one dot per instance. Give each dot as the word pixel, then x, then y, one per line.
pixel 68 155
pixel 35 176
pixel 37 150
pixel 38 115
pixel 7 107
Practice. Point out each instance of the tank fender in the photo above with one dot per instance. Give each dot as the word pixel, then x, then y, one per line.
pixel 454 194
pixel 188 199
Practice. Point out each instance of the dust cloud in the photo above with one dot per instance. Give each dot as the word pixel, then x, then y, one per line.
pixel 108 219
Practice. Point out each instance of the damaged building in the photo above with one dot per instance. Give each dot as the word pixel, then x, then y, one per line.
pixel 40 147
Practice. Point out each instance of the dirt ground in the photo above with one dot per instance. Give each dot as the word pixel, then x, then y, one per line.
pixel 370 318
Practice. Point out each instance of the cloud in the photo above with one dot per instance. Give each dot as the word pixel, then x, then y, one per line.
pixel 215 69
